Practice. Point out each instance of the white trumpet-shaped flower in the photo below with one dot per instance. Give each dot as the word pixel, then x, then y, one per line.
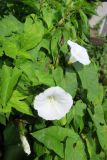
pixel 78 53
pixel 53 103
pixel 25 144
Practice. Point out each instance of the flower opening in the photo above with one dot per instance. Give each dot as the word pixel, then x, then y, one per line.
pixel 78 53
pixel 53 103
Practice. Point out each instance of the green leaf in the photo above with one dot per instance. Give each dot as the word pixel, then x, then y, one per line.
pixel 8 82
pixel 29 69
pixel 48 16
pixel 37 76
pixel 51 140
pixel 48 157
pixel 58 75
pixel 101 127
pixel 75 22
pixel 9 24
pixel 45 78
pixel 57 158
pixel 69 117
pixel 10 49
pixel 32 4
pixel 9 130
pixel 102 136
pixel 45 44
pixel 16 73
pixel 17 102
pixel 84 18
pixel 2 118
pixel 54 44
pixel 74 33
pixel 67 82
pixel 33 33
pixel 5 80
pixel 89 78
pixel 63 42
pixel 13 152
pixel 105 109
pixel 39 149
pixel 91 146
pixel 77 113
pixel 75 150
pixel 12 147
pixel 98 116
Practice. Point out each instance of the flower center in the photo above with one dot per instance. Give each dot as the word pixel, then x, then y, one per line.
pixel 51 98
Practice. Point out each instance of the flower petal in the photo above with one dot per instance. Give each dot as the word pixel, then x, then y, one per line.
pixel 25 144
pixel 78 53
pixel 53 103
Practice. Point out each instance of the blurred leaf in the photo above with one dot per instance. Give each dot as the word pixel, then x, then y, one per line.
pixel 104 105
pixel 9 24
pixel 73 31
pixel 33 4
pixel 91 146
pixel 11 143
pixel 17 102
pixel 10 130
pixel 102 136
pixel 51 140
pixel 84 18
pixel 39 149
pixel 57 158
pixel 33 33
pixel 89 79
pixel 45 44
pixel 54 44
pixel 13 152
pixel 37 76
pixel 29 69
pixel 75 22
pixel 75 150
pixel 10 49
pixel 48 16
pixel 77 115
pixel 98 116
pixel 45 78
pixel 48 157
pixel 67 82
pixel 2 119
pixel 8 82
pixel 63 42
pixel 101 127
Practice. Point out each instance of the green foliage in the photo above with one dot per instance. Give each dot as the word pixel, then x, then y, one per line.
pixel 9 24
pixel 8 81
pixel 32 33
pixel 11 147
pixel 89 79
pixel 33 57
pixel 74 149
pixel 47 137
pixel 66 80
pixel 17 102
pixel 76 114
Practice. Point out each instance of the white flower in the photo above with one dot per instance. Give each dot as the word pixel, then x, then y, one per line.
pixel 25 144
pixel 53 103
pixel 78 53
